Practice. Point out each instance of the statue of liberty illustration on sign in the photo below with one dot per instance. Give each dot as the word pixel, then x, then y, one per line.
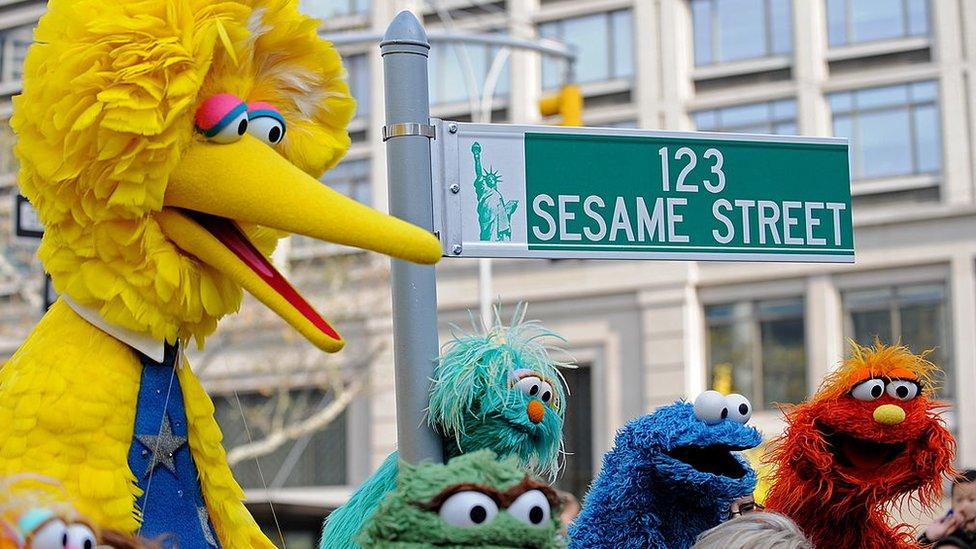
pixel 494 213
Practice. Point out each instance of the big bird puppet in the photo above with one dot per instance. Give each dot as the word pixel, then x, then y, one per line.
pixel 871 436
pixel 166 146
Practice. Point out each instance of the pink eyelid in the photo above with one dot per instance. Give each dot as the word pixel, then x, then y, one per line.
pixel 261 106
pixel 215 108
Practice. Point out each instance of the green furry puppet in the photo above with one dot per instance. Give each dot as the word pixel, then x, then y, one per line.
pixel 498 390
pixel 473 501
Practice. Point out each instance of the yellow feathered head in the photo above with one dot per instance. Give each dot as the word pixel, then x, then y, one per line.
pixel 167 145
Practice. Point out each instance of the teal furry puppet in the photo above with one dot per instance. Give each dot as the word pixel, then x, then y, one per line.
pixel 498 390
pixel 475 500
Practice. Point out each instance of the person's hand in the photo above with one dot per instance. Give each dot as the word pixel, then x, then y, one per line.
pixel 942 527
pixel 967 515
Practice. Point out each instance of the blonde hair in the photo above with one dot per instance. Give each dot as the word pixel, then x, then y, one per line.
pixel 754 531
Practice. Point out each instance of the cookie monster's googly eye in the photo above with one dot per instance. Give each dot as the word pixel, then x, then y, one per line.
pixel 902 389
pixel 871 389
pixel 265 123
pixel 52 535
pixel 222 118
pixel 532 508
pixel 80 536
pixel 711 407
pixel 536 388
pixel 468 508
pixel 739 407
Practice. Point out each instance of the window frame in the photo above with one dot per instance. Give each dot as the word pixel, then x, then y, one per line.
pixel 714 38
pixel 755 318
pixel 854 112
pixel 608 16
pixel 849 25
pixel 893 304
pixel 771 121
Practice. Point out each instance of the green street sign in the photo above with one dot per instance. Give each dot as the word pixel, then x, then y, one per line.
pixel 530 191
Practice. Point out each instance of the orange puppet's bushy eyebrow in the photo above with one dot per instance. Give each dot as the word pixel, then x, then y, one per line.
pixel 864 374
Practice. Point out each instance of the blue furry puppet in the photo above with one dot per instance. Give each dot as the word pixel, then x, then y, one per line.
pixel 670 476
pixel 499 390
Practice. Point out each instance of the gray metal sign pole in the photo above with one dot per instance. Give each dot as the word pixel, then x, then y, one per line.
pixel 407 134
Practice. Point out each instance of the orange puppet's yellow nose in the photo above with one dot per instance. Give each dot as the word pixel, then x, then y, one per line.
pixel 889 414
pixel 535 410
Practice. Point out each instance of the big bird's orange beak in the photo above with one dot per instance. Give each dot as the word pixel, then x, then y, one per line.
pixel 216 185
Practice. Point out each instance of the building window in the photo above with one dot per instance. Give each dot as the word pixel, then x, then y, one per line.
pixel 854 21
pixel 317 459
pixel 14 43
pixel 775 117
pixel 578 433
pixel 604 46
pixel 351 178
pixel 450 79
pixel 915 315
pixel 8 160
pixel 357 67
pixel 894 130
pixel 324 9
pixel 757 349
pixel 734 30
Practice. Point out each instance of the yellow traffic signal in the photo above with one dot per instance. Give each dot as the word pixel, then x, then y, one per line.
pixel 568 104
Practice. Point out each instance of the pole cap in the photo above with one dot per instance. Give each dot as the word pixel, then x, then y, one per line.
pixel 405 35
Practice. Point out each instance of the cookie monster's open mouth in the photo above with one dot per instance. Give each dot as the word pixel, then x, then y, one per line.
pixel 858 453
pixel 714 459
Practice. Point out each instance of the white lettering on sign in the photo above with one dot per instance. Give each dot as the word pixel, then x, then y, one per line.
pixel 537 208
pixel 787 222
pixel 588 210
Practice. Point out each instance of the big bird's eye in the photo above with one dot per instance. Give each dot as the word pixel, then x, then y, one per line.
pixel 535 387
pixel 532 508
pixel 222 118
pixel 468 508
pixel 52 535
pixel 871 389
pixel 902 389
pixel 711 407
pixel 740 409
pixel 81 536
pixel 265 123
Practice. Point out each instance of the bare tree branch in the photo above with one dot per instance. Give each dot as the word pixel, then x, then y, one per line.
pixel 310 424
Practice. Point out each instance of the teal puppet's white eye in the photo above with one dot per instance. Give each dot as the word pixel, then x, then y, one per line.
pixel 532 508
pixel 80 536
pixel 902 389
pixel 536 388
pixel 52 535
pixel 740 409
pixel 871 389
pixel 468 508
pixel 711 407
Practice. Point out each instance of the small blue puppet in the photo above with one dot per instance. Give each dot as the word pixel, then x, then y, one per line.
pixel 498 390
pixel 671 475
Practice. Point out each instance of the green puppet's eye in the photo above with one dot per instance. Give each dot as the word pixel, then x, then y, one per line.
pixel 468 509
pixel 532 508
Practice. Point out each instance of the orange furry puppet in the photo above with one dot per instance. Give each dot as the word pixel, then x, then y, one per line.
pixel 869 437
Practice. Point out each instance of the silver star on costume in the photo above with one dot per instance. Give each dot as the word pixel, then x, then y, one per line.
pixel 163 446
pixel 205 525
